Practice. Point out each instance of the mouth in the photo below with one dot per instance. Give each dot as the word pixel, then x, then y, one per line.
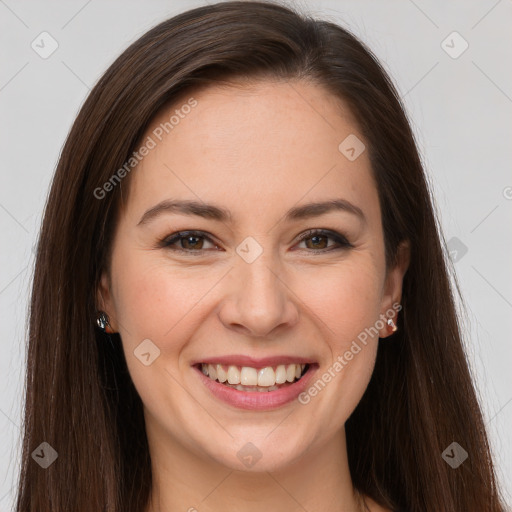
pixel 256 387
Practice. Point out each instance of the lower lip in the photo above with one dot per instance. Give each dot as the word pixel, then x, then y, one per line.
pixel 255 400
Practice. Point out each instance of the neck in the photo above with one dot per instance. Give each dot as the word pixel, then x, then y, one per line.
pixel 318 481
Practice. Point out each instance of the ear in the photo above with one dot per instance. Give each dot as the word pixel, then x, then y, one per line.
pixel 105 300
pixel 392 291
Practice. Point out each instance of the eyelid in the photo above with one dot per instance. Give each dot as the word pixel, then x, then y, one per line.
pixel 322 231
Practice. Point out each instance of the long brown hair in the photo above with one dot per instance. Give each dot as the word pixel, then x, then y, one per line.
pixel 79 396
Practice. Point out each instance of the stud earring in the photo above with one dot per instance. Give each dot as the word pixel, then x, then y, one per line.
pixel 103 322
pixel 392 325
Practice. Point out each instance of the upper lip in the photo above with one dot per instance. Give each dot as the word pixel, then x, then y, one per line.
pixel 253 362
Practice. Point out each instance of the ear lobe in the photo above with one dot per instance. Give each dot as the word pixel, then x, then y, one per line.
pixel 393 285
pixel 105 301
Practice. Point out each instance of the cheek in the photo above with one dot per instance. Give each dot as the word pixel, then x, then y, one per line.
pixel 346 297
pixel 346 305
pixel 157 300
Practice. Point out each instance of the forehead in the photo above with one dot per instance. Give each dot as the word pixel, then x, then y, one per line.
pixel 253 148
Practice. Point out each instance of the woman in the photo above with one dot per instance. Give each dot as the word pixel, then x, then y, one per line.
pixel 241 299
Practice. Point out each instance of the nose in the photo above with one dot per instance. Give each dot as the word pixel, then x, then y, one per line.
pixel 258 301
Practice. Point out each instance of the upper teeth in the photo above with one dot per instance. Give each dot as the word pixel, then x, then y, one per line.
pixel 248 376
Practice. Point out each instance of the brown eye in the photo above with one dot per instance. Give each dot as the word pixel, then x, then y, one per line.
pixel 319 240
pixel 192 242
pixel 187 241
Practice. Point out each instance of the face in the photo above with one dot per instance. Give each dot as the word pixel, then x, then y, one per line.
pixel 255 282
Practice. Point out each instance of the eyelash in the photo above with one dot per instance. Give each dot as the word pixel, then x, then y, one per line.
pixel 342 242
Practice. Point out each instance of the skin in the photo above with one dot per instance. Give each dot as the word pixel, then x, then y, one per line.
pixel 257 150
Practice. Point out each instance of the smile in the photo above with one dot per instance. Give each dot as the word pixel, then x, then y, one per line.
pixel 256 387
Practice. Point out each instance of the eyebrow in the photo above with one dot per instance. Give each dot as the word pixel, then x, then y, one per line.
pixel 210 211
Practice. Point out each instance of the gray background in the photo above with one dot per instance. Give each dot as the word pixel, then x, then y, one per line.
pixel 460 110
